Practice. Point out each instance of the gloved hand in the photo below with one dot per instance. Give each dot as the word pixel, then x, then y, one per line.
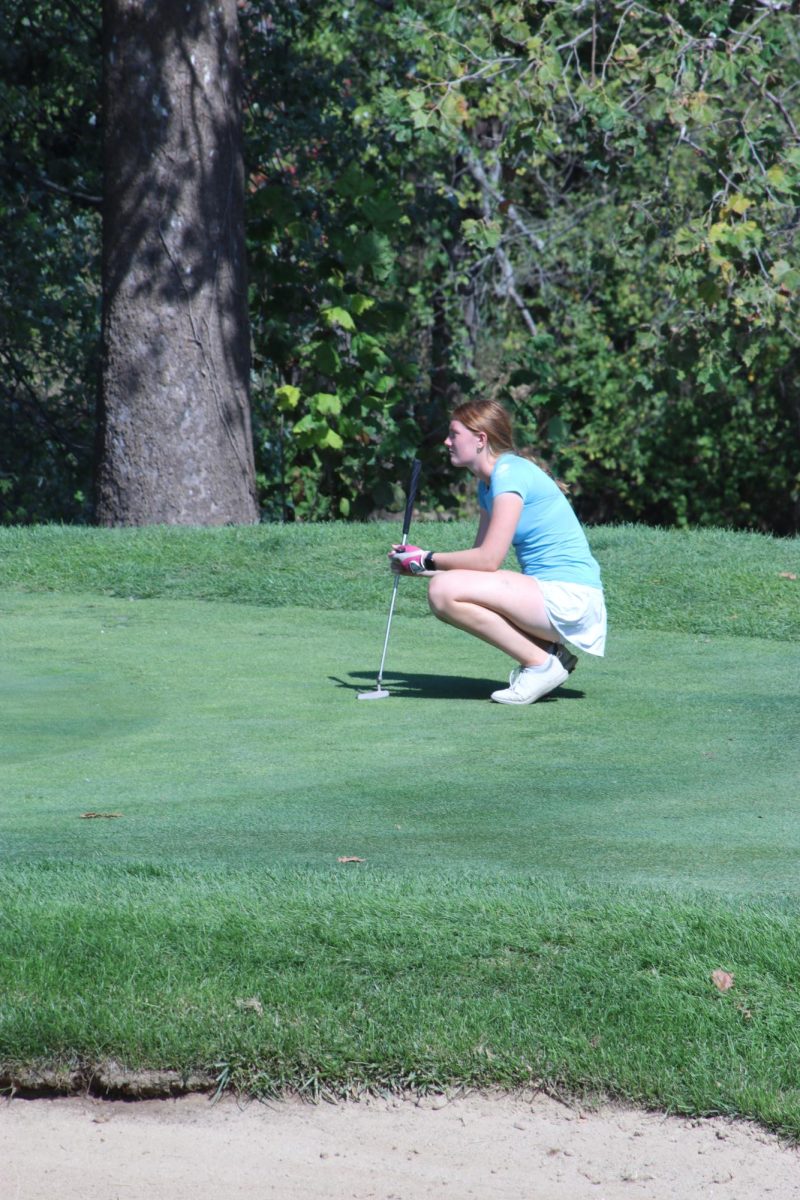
pixel 408 560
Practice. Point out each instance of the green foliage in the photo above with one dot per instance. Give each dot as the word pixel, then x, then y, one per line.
pixel 339 387
pixel 593 212
pixel 49 284
pixel 590 210
pixel 638 169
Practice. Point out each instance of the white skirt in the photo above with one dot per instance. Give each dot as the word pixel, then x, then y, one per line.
pixel 577 612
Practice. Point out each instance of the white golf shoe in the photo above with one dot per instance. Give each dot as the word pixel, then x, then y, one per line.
pixel 528 684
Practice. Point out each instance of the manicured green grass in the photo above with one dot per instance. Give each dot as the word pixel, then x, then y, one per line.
pixel 703 581
pixel 333 982
pixel 544 892
pixel 227 735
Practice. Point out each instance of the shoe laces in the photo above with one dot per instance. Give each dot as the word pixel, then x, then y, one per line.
pixel 515 674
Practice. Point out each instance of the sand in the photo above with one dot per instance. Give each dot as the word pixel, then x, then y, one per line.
pixel 530 1147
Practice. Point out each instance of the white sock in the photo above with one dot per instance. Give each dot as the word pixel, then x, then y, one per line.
pixel 544 667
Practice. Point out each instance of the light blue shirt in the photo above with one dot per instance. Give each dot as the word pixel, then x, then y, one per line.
pixel 549 541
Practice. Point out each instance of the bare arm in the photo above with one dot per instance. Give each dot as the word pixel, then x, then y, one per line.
pixel 492 541
pixel 483 525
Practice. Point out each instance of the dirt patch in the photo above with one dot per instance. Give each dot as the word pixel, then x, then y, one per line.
pixel 475 1146
pixel 106 1079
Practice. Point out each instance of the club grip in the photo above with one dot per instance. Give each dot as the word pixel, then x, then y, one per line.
pixel 411 496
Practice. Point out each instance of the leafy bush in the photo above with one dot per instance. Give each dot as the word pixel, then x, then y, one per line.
pixel 49 270
pixel 589 211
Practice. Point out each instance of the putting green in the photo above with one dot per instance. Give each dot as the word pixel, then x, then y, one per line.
pixel 231 735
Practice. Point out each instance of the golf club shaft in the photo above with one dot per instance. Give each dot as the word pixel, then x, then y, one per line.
pixel 388 627
pixel 410 497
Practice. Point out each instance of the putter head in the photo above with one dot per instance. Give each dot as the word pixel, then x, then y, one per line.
pixel 379 694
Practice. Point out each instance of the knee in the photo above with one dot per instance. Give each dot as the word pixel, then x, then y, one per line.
pixel 438 595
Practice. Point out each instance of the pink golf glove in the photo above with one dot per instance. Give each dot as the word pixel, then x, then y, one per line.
pixel 408 560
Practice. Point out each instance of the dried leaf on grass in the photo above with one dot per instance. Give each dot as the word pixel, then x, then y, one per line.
pixel 722 980
pixel 252 1004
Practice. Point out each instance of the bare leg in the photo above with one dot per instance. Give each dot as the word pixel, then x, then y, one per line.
pixel 503 608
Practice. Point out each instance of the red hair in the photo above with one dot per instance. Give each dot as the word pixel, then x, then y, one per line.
pixel 489 417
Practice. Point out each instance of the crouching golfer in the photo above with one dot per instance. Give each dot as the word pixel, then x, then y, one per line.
pixel 558 597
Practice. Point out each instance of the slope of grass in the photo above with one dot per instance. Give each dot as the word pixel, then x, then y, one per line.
pixel 544 892
pixel 709 581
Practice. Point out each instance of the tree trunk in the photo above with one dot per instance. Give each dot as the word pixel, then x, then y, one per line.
pixel 175 444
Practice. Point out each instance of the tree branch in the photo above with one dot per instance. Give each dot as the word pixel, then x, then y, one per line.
pixel 510 289
pixel 781 107
pixel 73 193
pixel 509 284
pixel 478 173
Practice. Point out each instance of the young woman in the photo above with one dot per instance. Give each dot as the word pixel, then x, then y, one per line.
pixel 558 597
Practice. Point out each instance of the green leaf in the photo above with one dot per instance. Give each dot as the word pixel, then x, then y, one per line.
pixel 288 397
pixel 340 317
pixel 709 290
pixel 360 304
pixel 454 108
pixel 383 211
pixel 373 250
pixel 330 440
pixel 325 358
pixel 687 240
pixel 737 204
pixel 550 69
pixel 354 182
pixel 326 404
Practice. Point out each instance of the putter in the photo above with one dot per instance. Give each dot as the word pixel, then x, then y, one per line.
pixel 380 692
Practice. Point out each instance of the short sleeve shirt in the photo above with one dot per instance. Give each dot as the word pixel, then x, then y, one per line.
pixel 549 541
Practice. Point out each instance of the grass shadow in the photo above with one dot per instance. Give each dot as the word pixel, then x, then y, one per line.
pixel 438 687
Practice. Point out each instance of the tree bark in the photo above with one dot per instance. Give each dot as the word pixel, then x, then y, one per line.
pixel 175 443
